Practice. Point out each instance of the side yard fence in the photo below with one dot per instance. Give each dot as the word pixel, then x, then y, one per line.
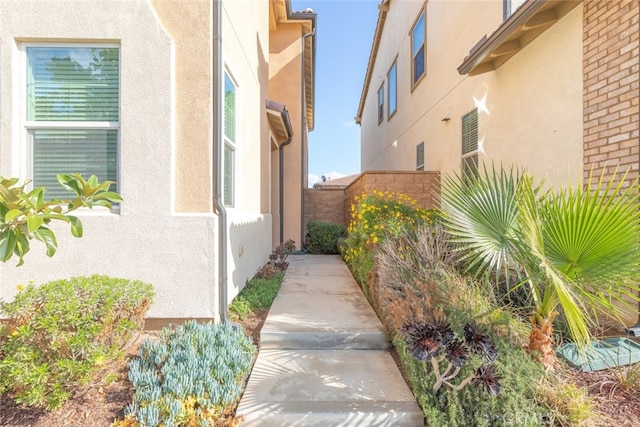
pixel 333 204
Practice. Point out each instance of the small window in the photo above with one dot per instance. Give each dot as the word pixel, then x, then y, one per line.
pixel 418 36
pixel 470 143
pixel 72 117
pixel 230 128
pixel 381 104
pixel 393 89
pixel 420 157
pixel 509 7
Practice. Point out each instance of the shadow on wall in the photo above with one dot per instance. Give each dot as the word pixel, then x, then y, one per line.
pixel 249 248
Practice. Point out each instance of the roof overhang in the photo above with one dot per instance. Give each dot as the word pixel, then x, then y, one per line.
pixel 281 13
pixel 383 8
pixel 279 120
pixel 531 19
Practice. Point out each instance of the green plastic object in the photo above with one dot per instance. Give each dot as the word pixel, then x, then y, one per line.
pixel 602 354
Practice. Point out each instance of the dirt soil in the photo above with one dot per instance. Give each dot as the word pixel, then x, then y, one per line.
pixel 99 404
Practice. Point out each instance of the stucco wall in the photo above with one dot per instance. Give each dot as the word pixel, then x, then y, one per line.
pixel 165 231
pixel 530 109
pixel 284 87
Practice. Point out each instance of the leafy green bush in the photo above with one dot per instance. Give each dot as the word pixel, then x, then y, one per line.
pixel 191 376
pixel 323 237
pixel 257 294
pixel 60 334
pixel 26 215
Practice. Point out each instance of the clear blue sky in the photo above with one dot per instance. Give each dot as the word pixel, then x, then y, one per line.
pixel 344 35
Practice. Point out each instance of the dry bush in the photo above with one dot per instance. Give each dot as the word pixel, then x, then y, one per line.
pixel 404 284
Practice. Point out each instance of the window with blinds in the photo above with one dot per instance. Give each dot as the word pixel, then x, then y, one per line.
pixel 73 108
pixel 230 128
pixel 470 143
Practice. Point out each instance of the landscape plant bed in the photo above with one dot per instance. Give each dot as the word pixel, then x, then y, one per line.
pixel 100 404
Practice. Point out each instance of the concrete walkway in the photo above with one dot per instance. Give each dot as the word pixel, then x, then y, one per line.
pixel 324 358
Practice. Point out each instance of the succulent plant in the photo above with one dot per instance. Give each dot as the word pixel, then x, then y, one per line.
pixel 437 343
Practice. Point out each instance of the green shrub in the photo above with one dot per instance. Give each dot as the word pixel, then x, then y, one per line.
pixel 257 294
pixel 323 237
pixel 190 376
pixel 60 334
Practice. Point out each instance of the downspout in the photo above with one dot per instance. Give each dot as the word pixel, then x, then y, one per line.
pixel 218 145
pixel 287 123
pixel 303 133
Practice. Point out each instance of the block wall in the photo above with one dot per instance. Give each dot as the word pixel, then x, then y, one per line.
pixel 324 204
pixel 423 186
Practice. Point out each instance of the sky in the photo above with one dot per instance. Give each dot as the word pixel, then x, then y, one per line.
pixel 344 36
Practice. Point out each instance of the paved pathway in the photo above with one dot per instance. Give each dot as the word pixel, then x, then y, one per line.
pixel 324 358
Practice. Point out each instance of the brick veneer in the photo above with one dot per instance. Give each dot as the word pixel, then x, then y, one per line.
pixel 611 92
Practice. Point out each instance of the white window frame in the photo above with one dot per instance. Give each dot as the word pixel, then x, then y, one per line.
pixel 415 80
pixel 31 125
pixel 228 143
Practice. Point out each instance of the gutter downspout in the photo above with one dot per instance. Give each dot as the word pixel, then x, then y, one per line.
pixel 218 145
pixel 287 123
pixel 303 137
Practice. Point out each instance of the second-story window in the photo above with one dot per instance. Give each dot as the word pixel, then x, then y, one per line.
pixel 392 77
pixel 509 7
pixel 381 104
pixel 418 36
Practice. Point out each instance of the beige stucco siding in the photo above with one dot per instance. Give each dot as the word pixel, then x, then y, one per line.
pixel 165 231
pixel 284 87
pixel 190 32
pixel 245 46
pixel 529 109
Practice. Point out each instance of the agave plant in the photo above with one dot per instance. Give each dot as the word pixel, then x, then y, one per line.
pixel 578 247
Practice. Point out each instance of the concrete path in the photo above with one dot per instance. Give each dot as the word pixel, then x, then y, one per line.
pixel 324 358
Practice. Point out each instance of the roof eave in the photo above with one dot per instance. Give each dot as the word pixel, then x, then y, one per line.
pixel 527 23
pixel 382 17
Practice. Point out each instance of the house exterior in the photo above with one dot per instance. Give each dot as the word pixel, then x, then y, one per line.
pixel 183 105
pixel 547 85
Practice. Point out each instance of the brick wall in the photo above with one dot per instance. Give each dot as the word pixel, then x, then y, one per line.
pixel 611 75
pixel 324 204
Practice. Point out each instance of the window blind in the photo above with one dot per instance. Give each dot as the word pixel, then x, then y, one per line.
pixel 72 84
pixel 88 152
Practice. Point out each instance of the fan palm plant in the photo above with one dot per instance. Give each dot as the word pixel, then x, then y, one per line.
pixel 577 247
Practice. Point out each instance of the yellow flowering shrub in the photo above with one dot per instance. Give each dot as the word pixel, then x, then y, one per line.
pixel 374 218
